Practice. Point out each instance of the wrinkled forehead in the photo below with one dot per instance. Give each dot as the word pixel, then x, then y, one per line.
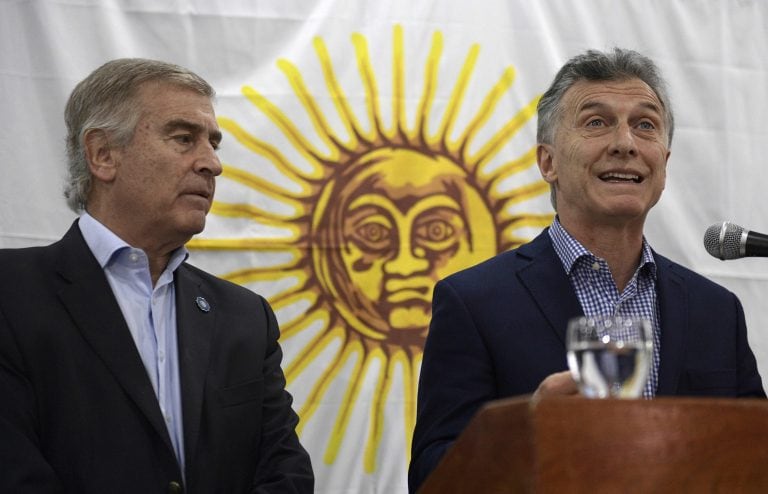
pixel 160 95
pixel 623 92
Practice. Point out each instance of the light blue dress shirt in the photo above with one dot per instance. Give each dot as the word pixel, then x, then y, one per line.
pixel 598 295
pixel 150 313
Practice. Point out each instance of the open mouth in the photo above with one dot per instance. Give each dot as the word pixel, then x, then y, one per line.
pixel 621 178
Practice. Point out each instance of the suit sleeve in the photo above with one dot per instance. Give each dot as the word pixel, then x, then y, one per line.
pixel 284 466
pixel 750 383
pixel 456 380
pixel 24 467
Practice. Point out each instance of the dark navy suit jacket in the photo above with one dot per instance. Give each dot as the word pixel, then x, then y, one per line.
pixel 498 329
pixel 78 413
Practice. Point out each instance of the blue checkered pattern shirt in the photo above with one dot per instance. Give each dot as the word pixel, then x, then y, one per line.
pixel 597 293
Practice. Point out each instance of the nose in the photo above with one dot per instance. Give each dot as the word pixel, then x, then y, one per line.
pixel 406 263
pixel 207 162
pixel 623 143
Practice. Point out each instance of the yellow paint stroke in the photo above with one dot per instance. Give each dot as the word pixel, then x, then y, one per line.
pixel 500 138
pixel 369 82
pixel 348 118
pixel 250 244
pixel 298 326
pixel 411 383
pixel 288 331
pixel 300 143
pixel 512 167
pixel 487 108
pixel 350 397
pixel 525 193
pixel 286 300
pixel 377 410
pixel 457 96
pixel 430 86
pixel 306 99
pixel 315 347
pixel 398 82
pixel 349 351
pixel 274 156
pixel 245 276
pixel 252 211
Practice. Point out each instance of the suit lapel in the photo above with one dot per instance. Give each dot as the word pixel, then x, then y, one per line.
pixel 92 305
pixel 673 310
pixel 548 284
pixel 195 327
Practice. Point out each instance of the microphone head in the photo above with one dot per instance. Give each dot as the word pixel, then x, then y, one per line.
pixel 723 240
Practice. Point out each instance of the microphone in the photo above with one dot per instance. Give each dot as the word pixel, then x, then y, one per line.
pixel 729 241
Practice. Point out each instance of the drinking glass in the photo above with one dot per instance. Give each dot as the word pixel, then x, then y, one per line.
pixel 610 356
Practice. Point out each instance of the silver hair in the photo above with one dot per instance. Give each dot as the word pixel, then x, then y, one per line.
pixel 107 100
pixel 593 65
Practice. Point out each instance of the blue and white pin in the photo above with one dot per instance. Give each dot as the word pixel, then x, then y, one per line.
pixel 203 304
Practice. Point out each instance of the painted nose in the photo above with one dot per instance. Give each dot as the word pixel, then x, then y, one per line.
pixel 406 263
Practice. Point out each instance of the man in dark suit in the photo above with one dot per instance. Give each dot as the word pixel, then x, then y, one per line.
pixel 498 329
pixel 122 368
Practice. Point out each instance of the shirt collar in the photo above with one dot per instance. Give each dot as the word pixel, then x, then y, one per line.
pixel 570 250
pixel 105 245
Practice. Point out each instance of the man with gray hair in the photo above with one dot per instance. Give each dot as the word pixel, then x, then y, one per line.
pixel 122 367
pixel 498 329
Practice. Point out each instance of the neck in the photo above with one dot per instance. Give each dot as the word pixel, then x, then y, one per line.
pixel 620 245
pixel 158 252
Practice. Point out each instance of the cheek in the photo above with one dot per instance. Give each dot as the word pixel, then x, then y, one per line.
pixel 365 270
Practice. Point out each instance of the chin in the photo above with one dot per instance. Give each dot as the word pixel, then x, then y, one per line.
pixel 410 317
pixel 627 207
pixel 193 226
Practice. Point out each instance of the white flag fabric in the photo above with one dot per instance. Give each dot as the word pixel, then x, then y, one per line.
pixel 371 148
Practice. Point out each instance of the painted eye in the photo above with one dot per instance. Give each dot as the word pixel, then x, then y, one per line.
pixel 373 232
pixel 435 231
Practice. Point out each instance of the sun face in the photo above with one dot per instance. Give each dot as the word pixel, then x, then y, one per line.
pixel 366 229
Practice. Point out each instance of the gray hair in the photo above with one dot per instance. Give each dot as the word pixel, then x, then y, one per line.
pixel 106 100
pixel 619 64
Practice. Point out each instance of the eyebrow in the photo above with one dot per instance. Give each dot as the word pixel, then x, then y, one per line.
pixel 191 127
pixel 590 105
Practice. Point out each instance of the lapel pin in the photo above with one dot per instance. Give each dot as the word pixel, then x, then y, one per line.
pixel 203 304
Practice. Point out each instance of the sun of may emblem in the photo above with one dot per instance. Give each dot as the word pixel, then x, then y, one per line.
pixel 369 225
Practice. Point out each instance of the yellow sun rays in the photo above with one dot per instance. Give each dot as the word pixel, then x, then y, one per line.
pixel 303 302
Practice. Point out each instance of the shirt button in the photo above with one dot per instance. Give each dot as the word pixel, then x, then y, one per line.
pixel 134 257
pixel 596 266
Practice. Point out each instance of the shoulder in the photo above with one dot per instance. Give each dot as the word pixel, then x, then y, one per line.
pixel 673 272
pixel 509 262
pixel 236 306
pixel 189 272
pixel 27 260
pixel 502 270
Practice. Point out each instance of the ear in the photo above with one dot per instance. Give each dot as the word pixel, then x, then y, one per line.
pixel 100 155
pixel 545 160
pixel 666 160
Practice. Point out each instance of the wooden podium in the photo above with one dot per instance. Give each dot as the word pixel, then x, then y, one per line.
pixel 574 445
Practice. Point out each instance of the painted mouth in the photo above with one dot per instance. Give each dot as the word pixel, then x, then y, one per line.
pixel 412 295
